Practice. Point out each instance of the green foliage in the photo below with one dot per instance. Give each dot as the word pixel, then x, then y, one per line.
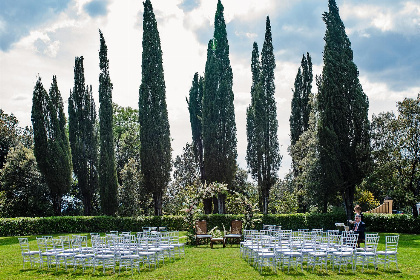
pixel 131 193
pixel 366 199
pixel 343 131
pixel 195 107
pixel 77 224
pixel 23 191
pixel 301 105
pixel 186 179
pixel 155 152
pixel 51 143
pixel 263 155
pixel 108 185
pixel 126 130
pixel 283 199
pixel 11 134
pixel 396 153
pixel 218 118
pixel 83 137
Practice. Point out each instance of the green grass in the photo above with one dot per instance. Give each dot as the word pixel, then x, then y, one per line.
pixel 219 263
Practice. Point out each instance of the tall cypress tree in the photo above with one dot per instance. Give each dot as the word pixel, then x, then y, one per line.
pixel 155 152
pixel 253 153
pixel 195 107
pixel 219 127
pixel 83 137
pixel 301 108
pixel 108 184
pixel 51 143
pixel 264 157
pixel 344 144
pixel 299 118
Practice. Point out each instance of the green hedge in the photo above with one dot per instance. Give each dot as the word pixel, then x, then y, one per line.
pixel 374 222
pixel 76 224
pixel 71 224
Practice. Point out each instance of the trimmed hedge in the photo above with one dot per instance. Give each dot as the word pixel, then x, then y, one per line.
pixel 76 224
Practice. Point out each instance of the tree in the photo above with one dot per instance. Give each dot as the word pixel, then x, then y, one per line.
pixel 195 107
pixel 301 109
pixel 299 118
pixel 126 130
pixel 219 127
pixel 108 185
pixel 83 137
pixel 396 153
pixel 8 135
pixel 185 183
pixel 11 135
pixel 155 152
pixel 23 191
pixel 51 149
pixel 263 148
pixel 343 131
pixel 131 195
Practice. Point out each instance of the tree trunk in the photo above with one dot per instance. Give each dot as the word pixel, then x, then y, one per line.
pixel 157 197
pixel 207 202
pixel 221 203
pixel 215 205
pixel 264 202
pixel 348 197
pixel 56 201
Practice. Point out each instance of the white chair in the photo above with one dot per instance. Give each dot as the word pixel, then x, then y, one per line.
pixel 174 241
pixel 28 255
pixel 83 255
pixel 320 254
pixel 104 254
pixel 264 254
pixel 147 256
pixel 46 251
pixel 345 252
pixel 64 255
pixel 390 253
pixel 368 255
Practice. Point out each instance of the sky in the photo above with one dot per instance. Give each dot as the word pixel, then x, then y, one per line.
pixel 43 38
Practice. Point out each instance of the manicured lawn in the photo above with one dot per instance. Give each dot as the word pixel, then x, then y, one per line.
pixel 206 263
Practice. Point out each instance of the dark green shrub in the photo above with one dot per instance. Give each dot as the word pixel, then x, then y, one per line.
pixel 77 224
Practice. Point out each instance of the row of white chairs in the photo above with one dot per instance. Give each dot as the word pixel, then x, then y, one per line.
pixel 286 248
pixel 126 250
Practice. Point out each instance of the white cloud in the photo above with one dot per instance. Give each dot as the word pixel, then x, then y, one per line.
pixel 401 17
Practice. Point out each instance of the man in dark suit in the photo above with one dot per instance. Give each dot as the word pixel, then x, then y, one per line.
pixel 359 227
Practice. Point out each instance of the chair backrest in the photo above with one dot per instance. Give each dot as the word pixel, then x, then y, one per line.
pixel 236 227
pixel 201 227
pixel 391 242
pixel 371 243
pixel 42 244
pixel 24 244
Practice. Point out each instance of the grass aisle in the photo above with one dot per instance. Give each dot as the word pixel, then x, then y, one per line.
pixel 205 263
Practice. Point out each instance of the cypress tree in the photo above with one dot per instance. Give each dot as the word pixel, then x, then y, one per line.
pixel 155 152
pixel 108 184
pixel 301 108
pixel 51 143
pixel 253 155
pixel 344 144
pixel 83 137
pixel 264 157
pixel 195 107
pixel 219 127
pixel 299 118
